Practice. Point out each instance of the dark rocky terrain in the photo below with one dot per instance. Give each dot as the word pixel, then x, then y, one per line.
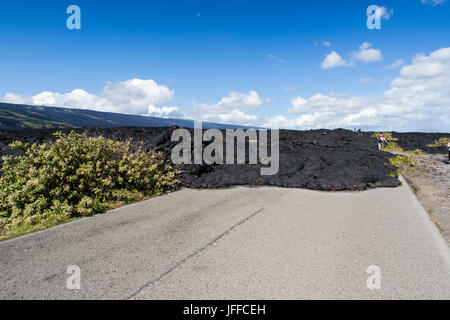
pixel 421 141
pixel 336 160
pixel 319 159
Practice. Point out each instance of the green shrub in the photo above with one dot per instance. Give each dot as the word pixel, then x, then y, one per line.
pixel 408 163
pixel 75 176
pixel 418 152
pixel 436 221
pixel 393 146
pixel 387 135
pixel 442 142
pixel 392 142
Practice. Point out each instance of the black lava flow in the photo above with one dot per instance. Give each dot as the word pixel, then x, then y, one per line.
pixel 328 160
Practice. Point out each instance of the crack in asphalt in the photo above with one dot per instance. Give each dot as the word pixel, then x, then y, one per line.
pixel 197 252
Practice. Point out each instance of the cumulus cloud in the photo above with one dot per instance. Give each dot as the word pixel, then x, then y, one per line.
pixel 134 96
pixel 231 109
pixel 165 112
pixel 422 88
pixel 333 60
pixel 235 116
pixel 367 54
pixel 235 100
pixel 326 43
pixel 140 97
pixel 419 99
pixel 77 98
pixel 327 103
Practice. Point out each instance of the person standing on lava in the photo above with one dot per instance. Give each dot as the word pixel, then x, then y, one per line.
pixel 448 146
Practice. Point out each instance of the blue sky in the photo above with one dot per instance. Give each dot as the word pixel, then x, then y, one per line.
pixel 246 62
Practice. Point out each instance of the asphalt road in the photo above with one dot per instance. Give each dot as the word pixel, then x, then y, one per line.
pixel 241 243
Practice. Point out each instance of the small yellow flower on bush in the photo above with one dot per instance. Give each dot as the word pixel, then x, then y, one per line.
pixel 75 176
pixel 408 163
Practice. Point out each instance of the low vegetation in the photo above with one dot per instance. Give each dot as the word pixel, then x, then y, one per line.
pixel 442 142
pixel 406 163
pixel 387 135
pixel 435 221
pixel 75 176
pixel 418 152
pixel 393 146
pixel 392 142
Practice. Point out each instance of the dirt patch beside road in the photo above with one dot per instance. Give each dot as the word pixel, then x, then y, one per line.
pixel 432 187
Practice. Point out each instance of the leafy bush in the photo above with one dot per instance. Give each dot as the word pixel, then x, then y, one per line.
pixel 408 163
pixel 393 146
pixel 392 142
pixel 442 142
pixel 418 152
pixel 75 176
pixel 436 221
pixel 387 135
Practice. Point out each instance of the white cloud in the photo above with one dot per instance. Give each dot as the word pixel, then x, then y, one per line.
pixel 165 112
pixel 433 2
pixel 235 116
pixel 327 103
pixel 140 96
pixel 235 100
pixel 396 64
pixel 333 60
pixel 133 96
pixel 419 99
pixel 230 109
pixel 77 98
pixel 386 13
pixel 272 57
pixel 326 43
pixel 367 54
pixel 136 95
pixel 277 122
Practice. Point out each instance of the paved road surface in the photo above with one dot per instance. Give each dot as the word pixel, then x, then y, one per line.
pixel 241 243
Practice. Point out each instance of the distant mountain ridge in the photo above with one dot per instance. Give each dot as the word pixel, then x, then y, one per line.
pixel 17 117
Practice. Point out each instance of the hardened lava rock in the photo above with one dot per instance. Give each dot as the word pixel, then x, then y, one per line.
pixel 329 160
